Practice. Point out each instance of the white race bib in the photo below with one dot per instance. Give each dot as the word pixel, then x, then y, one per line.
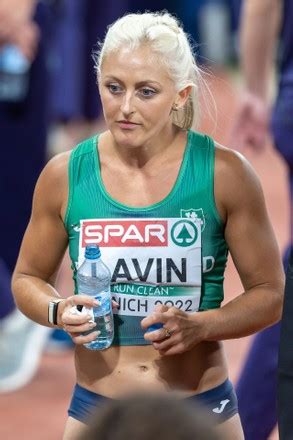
pixel 152 261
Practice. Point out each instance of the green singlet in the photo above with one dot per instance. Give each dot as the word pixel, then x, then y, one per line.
pixel 172 252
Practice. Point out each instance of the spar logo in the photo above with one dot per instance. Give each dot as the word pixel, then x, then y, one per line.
pixel 124 233
pixel 184 233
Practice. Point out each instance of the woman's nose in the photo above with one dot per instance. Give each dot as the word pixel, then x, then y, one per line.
pixel 127 104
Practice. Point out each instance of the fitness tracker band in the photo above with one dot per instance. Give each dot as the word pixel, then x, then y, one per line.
pixel 52 311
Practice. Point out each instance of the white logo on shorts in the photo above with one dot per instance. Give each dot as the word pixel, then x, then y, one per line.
pixel 220 409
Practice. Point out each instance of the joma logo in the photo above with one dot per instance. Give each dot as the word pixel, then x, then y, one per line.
pixel 125 233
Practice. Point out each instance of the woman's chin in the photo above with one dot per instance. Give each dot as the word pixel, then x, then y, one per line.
pixel 127 139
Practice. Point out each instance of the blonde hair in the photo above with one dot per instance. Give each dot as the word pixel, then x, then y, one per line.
pixel 166 37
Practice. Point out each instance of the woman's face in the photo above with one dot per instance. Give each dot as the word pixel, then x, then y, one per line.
pixel 137 95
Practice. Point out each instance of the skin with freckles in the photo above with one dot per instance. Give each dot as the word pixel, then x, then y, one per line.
pixel 138 95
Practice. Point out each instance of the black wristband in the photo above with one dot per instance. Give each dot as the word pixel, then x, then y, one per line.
pixel 53 311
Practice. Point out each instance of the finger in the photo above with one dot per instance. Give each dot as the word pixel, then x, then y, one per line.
pixel 69 328
pixel 173 350
pixel 166 343
pixel 74 320
pixel 84 300
pixel 154 318
pixel 156 335
pixel 71 318
pixel 161 308
pixel 160 315
pixel 115 304
pixel 81 339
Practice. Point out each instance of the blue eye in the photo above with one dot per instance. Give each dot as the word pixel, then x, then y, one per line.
pixel 114 88
pixel 147 93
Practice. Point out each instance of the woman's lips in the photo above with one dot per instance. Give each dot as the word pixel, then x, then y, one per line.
pixel 127 125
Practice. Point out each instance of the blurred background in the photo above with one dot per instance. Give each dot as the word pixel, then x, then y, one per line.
pixel 48 102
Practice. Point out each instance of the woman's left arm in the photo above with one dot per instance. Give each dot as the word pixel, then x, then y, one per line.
pixel 253 246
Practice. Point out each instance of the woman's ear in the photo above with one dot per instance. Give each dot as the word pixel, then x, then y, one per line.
pixel 182 97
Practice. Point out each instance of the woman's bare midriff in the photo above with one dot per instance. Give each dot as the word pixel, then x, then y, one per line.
pixel 125 369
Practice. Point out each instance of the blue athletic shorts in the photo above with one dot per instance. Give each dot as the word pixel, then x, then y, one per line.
pixel 220 401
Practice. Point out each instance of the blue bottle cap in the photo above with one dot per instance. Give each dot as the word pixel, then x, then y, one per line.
pixel 154 327
pixel 92 252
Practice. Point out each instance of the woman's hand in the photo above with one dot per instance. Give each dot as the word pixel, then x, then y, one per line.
pixel 181 331
pixel 75 321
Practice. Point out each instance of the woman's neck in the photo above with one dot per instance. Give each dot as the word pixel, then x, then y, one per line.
pixel 153 151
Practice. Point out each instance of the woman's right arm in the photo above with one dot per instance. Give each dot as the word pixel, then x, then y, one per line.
pixel 41 253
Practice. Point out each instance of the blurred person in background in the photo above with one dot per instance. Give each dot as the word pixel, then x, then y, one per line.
pixel 148 166
pixel 264 24
pixel 24 34
pixel 148 417
pixel 75 103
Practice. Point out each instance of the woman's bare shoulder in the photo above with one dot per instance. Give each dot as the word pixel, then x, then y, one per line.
pixel 57 166
pixel 52 185
pixel 236 181
pixel 230 164
pixel 229 160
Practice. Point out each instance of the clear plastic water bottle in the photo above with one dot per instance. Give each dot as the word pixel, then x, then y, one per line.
pixel 14 74
pixel 93 279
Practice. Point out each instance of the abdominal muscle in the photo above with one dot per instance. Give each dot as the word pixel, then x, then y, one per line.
pixel 125 369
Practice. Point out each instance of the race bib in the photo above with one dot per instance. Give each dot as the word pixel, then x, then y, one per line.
pixel 152 261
